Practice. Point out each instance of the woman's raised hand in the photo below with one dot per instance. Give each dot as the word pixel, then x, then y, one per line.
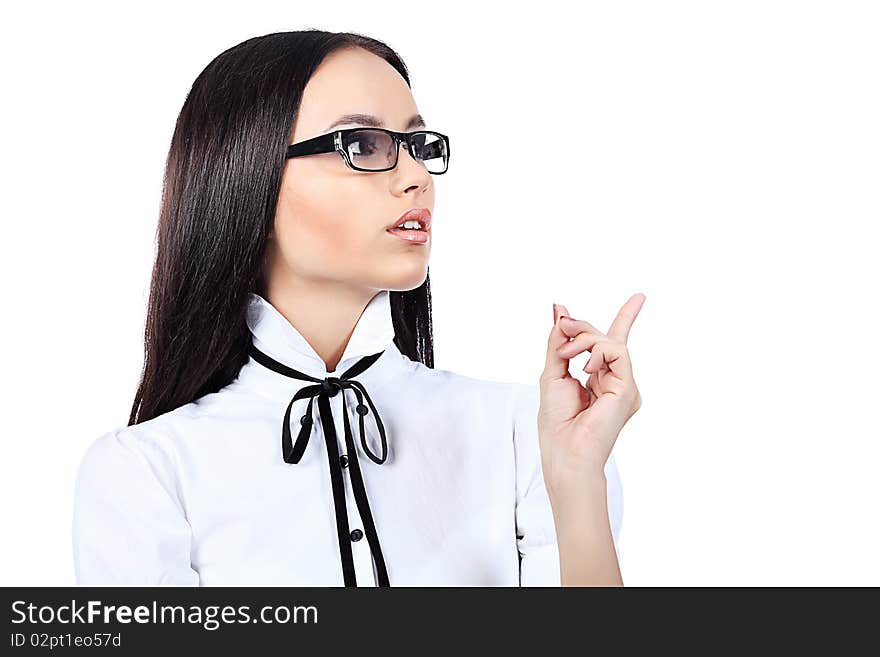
pixel 578 425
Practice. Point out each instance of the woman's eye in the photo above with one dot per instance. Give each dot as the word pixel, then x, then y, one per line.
pixel 364 147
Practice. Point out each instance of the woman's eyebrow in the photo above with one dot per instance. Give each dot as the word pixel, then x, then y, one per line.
pixel 416 121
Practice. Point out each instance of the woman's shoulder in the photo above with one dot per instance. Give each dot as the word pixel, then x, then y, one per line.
pixel 160 434
pixel 129 520
pixel 149 443
pixel 510 393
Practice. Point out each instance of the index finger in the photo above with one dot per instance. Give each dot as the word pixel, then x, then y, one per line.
pixel 623 322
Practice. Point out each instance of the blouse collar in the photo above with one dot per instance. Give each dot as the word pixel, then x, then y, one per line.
pixel 274 335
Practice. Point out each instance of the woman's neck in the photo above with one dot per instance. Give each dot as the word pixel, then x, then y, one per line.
pixel 325 314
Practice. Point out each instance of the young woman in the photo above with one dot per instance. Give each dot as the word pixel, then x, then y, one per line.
pixel 290 427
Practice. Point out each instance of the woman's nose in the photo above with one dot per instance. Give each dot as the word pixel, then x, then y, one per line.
pixel 409 155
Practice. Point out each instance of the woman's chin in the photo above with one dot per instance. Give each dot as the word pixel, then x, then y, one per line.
pixel 407 279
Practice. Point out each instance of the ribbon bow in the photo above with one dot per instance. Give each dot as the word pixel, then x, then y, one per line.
pixel 292 453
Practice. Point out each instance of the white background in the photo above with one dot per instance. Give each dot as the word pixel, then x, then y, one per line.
pixel 720 157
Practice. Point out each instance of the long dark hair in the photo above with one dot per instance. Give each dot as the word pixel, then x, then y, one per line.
pixel 220 190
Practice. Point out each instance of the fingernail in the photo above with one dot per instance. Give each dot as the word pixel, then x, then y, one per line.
pixel 555 312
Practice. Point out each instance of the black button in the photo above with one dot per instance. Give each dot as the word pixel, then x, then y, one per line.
pixel 343 460
pixel 357 535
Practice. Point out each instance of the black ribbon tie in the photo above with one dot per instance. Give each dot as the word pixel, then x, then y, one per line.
pixel 322 390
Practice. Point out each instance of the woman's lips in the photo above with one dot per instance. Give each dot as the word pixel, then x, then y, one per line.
pixel 410 234
pixel 413 235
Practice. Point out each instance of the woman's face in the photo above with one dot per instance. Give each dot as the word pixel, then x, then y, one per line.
pixel 331 221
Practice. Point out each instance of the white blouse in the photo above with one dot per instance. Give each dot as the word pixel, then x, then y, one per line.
pixel 211 494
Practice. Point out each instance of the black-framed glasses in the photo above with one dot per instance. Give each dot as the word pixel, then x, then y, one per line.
pixel 376 149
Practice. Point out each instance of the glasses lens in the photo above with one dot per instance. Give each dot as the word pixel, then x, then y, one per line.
pixel 431 149
pixel 374 150
pixel 370 149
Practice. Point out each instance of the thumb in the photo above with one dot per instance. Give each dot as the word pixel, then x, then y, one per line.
pixel 556 367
